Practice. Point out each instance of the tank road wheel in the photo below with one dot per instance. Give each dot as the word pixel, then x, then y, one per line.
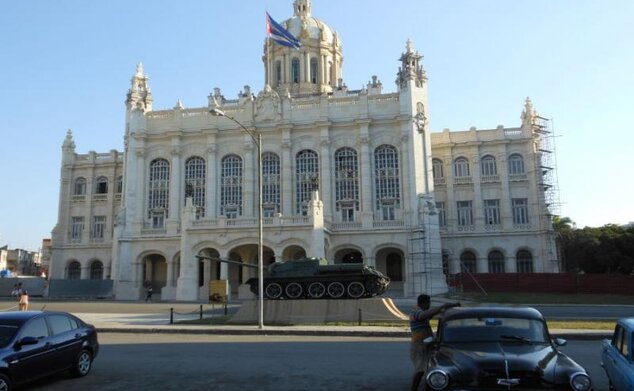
pixel 316 290
pixel 336 290
pixel 294 290
pixel 356 290
pixel 273 291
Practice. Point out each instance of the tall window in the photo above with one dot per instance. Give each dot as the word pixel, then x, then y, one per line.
pixel 524 260
pixel 496 262
pixel 492 212
pixel 465 213
pixel 346 182
pixel 158 191
pixel 231 186
pixel 270 184
pixel 468 262
pixel 80 186
pixel 307 177
pixel 76 229
pixel 101 185
pixel 195 172
pixel 437 168
pixel 278 72
pixel 98 228
pixel 96 270
pixel 516 164
pixel 442 214
pixel 313 70
pixel 489 166
pixel 295 70
pixel 119 185
pixel 74 271
pixel 461 168
pixel 386 176
pixel 520 210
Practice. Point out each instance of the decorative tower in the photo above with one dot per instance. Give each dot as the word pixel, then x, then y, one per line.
pixel 314 68
pixel 139 95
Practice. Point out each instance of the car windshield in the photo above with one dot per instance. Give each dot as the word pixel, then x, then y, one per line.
pixel 494 330
pixel 6 334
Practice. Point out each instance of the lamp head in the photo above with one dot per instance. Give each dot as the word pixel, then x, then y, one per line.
pixel 217 112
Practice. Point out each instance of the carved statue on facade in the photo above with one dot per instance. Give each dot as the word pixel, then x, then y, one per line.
pixel 267 105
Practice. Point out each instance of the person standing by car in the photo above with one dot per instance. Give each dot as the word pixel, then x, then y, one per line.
pixel 422 334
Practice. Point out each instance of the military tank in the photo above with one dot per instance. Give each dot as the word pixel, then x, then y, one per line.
pixel 313 278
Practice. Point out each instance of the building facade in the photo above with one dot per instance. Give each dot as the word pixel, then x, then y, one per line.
pixel 350 176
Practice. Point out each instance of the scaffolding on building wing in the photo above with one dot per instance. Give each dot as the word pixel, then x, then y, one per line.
pixel 546 166
pixel 421 265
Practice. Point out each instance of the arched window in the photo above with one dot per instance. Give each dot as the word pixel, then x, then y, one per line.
pixel 101 185
pixel 278 72
pixel 489 166
pixel 461 167
pixel 119 185
pixel 346 183
pixel 437 168
pixel 270 184
pixel 313 70
pixel 195 172
pixel 96 270
pixel 158 192
pixel 74 271
pixel 524 260
pixel 394 267
pixel 307 178
pixel 295 70
pixel 387 183
pixel 231 186
pixel 468 262
pixel 516 164
pixel 496 262
pixel 80 186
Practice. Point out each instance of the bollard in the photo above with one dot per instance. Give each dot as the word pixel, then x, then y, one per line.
pixel 360 317
pixel 171 315
pixel 201 312
pixel 225 308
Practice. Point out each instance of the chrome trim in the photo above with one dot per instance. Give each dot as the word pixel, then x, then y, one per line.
pixel 580 374
pixel 439 371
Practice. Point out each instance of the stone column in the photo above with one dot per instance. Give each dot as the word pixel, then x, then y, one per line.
pixel 287 176
pixel 210 180
pixel 175 193
pixel 365 166
pixel 325 171
pixel 249 175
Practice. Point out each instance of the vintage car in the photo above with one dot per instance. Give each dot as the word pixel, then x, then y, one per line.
pixel 499 348
pixel 616 356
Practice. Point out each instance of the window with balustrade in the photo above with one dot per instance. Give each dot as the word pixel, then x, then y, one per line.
pixel 76 228
pixel 516 164
pixel 346 182
pixel 465 213
pixel 295 70
pixel 524 260
pixel 437 169
pixel 231 186
pixel 195 183
pixel 271 178
pixel 489 166
pixel 79 187
pixel 306 179
pixel 492 212
pixel 461 168
pixel 158 188
pixel 496 262
pixel 119 185
pixel 96 270
pixel 387 181
pixel 442 214
pixel 519 207
pixel 73 271
pixel 468 262
pixel 98 228
pixel 101 185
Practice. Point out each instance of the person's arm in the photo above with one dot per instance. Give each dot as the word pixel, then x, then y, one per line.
pixel 430 313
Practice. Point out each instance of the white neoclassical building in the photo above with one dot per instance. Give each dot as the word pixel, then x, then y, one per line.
pixel 350 176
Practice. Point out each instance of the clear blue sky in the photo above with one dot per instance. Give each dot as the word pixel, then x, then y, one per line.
pixel 68 63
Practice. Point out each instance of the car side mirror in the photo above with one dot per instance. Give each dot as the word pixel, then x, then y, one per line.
pixel 27 341
pixel 560 341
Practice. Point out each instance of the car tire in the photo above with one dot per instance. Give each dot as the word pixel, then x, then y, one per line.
pixel 83 364
pixel 5 383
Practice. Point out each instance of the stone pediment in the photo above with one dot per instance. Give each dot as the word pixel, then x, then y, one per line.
pixel 267 105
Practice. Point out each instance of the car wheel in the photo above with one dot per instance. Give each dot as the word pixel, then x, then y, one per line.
pixel 5 382
pixel 83 363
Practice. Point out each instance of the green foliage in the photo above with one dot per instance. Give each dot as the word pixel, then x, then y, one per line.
pixel 607 249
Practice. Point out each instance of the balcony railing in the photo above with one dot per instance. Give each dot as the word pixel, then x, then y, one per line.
pixel 463 180
pixel 440 181
pixel 490 178
pixel 518 177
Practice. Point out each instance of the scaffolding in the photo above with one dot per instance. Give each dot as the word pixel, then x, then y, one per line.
pixel 421 265
pixel 548 183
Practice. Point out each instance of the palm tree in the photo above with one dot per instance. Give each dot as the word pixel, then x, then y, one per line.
pixel 564 228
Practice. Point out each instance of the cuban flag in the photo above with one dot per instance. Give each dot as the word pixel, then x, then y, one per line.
pixel 280 35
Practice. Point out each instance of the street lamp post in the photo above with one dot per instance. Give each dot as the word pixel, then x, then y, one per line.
pixel 257 139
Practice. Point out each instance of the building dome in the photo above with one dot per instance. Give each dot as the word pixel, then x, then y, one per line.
pixel 315 28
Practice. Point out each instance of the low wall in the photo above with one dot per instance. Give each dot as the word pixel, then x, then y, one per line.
pixel 546 283
pixel 35 286
pixel 72 289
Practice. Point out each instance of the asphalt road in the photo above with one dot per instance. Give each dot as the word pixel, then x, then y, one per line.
pixel 264 363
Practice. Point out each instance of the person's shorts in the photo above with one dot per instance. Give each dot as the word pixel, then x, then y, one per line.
pixel 418 355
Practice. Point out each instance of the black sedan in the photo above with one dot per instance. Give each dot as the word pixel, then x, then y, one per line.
pixel 34 344
pixel 500 348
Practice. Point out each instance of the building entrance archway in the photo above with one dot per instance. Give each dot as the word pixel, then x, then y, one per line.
pixel 155 272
